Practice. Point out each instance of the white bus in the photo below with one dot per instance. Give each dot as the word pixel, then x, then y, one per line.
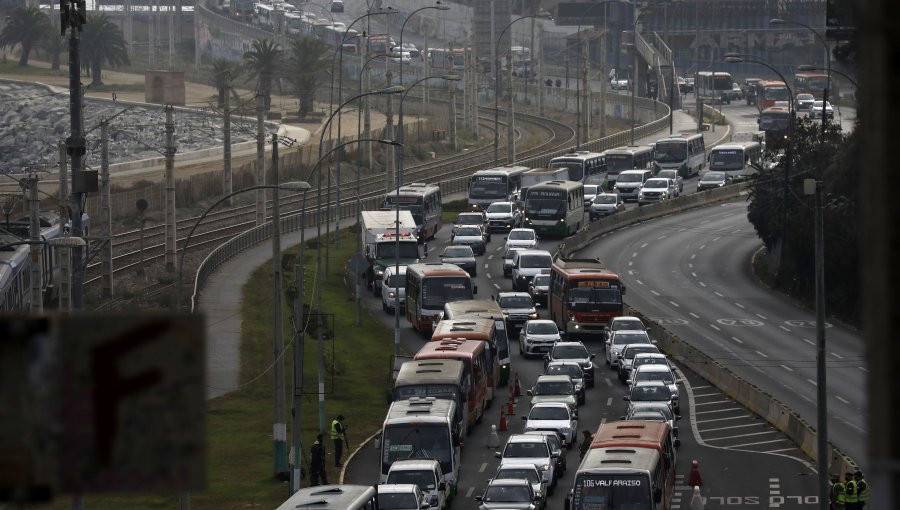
pixel 264 15
pixel 736 159
pixel 685 153
pixel 632 157
pixel 623 478
pixel 581 164
pixel 423 201
pixel 555 208
pixel 536 176
pixel 714 87
pixel 336 497
pixel 422 428
pixel 438 378
pixel 499 184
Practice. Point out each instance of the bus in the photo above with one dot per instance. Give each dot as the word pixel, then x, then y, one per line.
pixel 423 201
pixel 473 328
pixel 638 434
pixel 486 309
pixel 632 157
pixel 438 378
pixel 775 122
pixel 499 184
pixel 736 159
pixel 685 153
pixel 422 428
pixel 474 358
pixel 584 296
pixel 768 92
pixel 447 59
pixel 333 497
pixel 714 87
pixel 622 478
pixel 581 165
pixel 265 15
pixel 428 287
pixel 555 208
pixel 539 175
pixel 378 44
pixel 814 83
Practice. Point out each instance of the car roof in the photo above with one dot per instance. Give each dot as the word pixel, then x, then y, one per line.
pixel 553 378
pixel 540 321
pixel 522 230
pixel 650 354
pixel 535 252
pixel 509 481
pixel 521 465
pixel 654 368
pixel 400 488
pixel 640 384
pixel 632 346
pixel 625 317
pixel 503 202
pixel 411 464
pixel 549 404
pixel 630 332
pixel 566 362
pixel 569 344
pixel 512 294
pixel 525 438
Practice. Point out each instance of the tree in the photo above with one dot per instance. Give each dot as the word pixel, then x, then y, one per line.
pixel 223 74
pixel 306 66
pixel 102 42
pixel 53 46
pixel 263 64
pixel 25 27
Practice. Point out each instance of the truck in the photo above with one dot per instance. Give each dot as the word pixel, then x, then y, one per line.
pixel 539 175
pixel 380 239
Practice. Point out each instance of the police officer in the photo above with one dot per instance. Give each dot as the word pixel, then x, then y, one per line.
pixel 339 436
pixel 850 497
pixel 837 493
pixel 862 490
pixel 317 463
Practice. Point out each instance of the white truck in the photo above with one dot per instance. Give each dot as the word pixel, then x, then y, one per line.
pixel 539 175
pixel 379 237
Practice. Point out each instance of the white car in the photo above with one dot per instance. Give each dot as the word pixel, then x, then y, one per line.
pixel 537 337
pixel 425 473
pixel 521 238
pixel 503 216
pixel 392 284
pixel 815 111
pixel 403 496
pixel 532 449
pixel 656 190
pixel 619 339
pixel 591 191
pixel 662 373
pixel 606 204
pixel 554 388
pixel 675 176
pixel 470 235
pixel 519 471
pixel 623 322
pixel 553 416
pixel 508 261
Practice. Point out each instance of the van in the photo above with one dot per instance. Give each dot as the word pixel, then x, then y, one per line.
pixel 427 475
pixel 630 183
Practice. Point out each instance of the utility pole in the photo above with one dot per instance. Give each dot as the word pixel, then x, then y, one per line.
pixel 299 337
pixel 227 182
pixel 389 168
pixel 586 107
pixel 34 231
pixel 128 26
pixel 603 82
pixel 260 158
pixel 171 247
pixel 171 17
pixel 452 86
pixel 510 116
pixel 426 72
pixel 151 34
pixel 63 181
pixel 541 84
pixel 279 431
pixel 106 285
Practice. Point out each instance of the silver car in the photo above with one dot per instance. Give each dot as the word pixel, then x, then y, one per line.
pixel 619 339
pixel 554 388
pixel 553 416
pixel 539 288
pixel 591 191
pixel 675 176
pixel 470 235
pixel 654 411
pixel 656 190
pixel 522 470
pixel 659 373
pixel 533 449
pixel 521 238
pixel 537 336
pixel 804 101
pixel 626 357
pixel 606 204
pixel 571 369
pixel 509 494
pixel 508 261
pixel 462 256
pixel 391 285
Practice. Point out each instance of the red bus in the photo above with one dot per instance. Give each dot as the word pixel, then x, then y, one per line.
pixel 428 287
pixel 622 478
pixel 641 434
pixel 767 92
pixel 483 330
pixel 473 354
pixel 584 296
pixel 813 83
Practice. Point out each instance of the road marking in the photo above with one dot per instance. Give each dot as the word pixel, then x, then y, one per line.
pixel 496 286
pixel 489 258
pixel 499 248
pixel 738 305
pixel 633 255
pixel 810 381
pixel 630 263
pixel 789 369
pixel 483 467
pixel 836 355
pixel 736 231
pixel 694 315
pixel 810 342
pixel 643 246
pixel 784 328
pixel 638 282
pixel 690 265
pixel 732 427
pixel 736 339
pixel 673 303
pixel 610 399
pixel 489 275
pixel 715 327
pixel 701 247
pixel 693 256
pixel 842 399
pixel 630 272
pixel 694 274
pixel 608 382
pixel 470 492
pixel 762 354
pixel 702 284
pixel 718 294
pixel 654 293
pixel 733 446
pixel 737 417
pixel 761 316
pixel 716 239
pixel 485 265
pixel 723 401
pixel 863 369
pixel 718 411
pixel 704 222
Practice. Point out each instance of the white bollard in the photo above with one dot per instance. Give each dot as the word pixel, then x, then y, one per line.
pixel 696 499
pixel 493 439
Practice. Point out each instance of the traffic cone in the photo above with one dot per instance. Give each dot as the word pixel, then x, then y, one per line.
pixel 503 425
pixel 493 438
pixel 694 479
pixel 696 499
pixel 518 387
pixel 510 406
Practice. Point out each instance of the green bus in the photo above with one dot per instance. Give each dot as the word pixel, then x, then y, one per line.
pixel 555 208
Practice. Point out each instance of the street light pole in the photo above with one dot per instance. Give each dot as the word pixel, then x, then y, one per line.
pixel 827 58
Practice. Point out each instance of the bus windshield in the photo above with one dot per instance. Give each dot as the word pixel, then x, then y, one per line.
pixel 425 390
pixel 417 441
pixel 389 250
pixel 488 187
pixel 546 207
pixel 731 159
pixel 439 290
pixel 616 163
pixel 611 492
pixel 576 169
pixel 670 152
pixel 774 121
pixel 776 93
pixel 593 298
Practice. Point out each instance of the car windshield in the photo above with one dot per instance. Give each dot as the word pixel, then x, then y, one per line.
pixel 630 338
pixel 535 261
pixel 389 250
pixel 805 97
pixel 521 235
pixel 713 176
pixel 554 388
pixel 650 393
pixel 635 324
pixel 507 494
pixel 518 474
pixel 542 328
pixel 509 254
pixel 424 479
pixel 657 407
pixel 397 501
pixel 648 360
pixel 570 352
pixel 469 219
pixel 657 183
pixel 590 189
pixel 536 449
pixel 516 302
pixel 630 178
pixel 631 353
pixel 655 375
pixel 649 416
pixel 541 281
pixel 668 174
pixel 468 231
pixel 606 199
pixel 548 413
pixel 589 298
pixel 499 208
pixel 458 251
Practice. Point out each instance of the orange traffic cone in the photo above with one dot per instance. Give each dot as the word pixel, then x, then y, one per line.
pixel 511 409
pixel 694 479
pixel 503 425
pixel 518 387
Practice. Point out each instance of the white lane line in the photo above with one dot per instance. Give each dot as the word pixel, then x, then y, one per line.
pixel 810 381
pixel 712 402
pixel 761 316
pixel 609 401
pixel 701 247
pixel 694 315
pixel 485 265
pixel 863 369
pixel 644 245
pixel 733 427
pixel 499 248
pixel 690 265
pixel 842 399
pixel 736 231
pixel 694 255
pixel 836 355
pixel 633 255
pixel 789 369
pixel 608 382
pixel 630 263
pixel 784 328
pixel 694 274
pixel 496 286
pixel 489 258
pixel 483 467
pixel 660 238
pixel 729 409
pixel 630 272
pixel 470 492
pixel 489 275
pixel 702 284
pixel 749 434
pixel 638 282
pixel 762 354
pixel 736 339
pixel 733 446
pixel 673 303
pixel 716 239
pixel 719 294
pixel 737 417
pixel 715 327
pixel 654 293
pixel 810 342
pixel 738 305
pixel 704 222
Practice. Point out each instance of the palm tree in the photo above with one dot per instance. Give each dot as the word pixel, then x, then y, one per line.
pixel 223 74
pixel 53 45
pixel 102 42
pixel 263 63
pixel 306 66
pixel 26 27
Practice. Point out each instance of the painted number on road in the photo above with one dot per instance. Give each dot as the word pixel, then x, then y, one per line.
pixel 732 500
pixel 777 501
pixel 774 501
pixel 669 321
pixel 739 322
pixel 805 324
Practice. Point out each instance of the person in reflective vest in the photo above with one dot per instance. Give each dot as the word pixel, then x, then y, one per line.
pixel 862 490
pixel 339 436
pixel 836 493
pixel 850 498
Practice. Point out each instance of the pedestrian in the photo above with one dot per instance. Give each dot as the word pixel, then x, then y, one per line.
pixel 585 442
pixel 339 436
pixel 836 494
pixel 850 494
pixel 317 462
pixel 862 490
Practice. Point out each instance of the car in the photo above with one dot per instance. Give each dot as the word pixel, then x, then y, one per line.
pixel 626 357
pixel 815 111
pixel 675 176
pixel 517 309
pixel 571 369
pixel 556 447
pixel 654 411
pixel 591 191
pixel 508 261
pixel 554 388
pixel 659 373
pixel 533 449
pixel 470 235
pixel 713 180
pixel 647 358
pixel 537 337
pixel 337 6
pixel 427 475
pixel 391 285
pixel 521 238
pixel 623 322
pixel 520 471
pixel 629 182
pixel 619 84
pixel 606 204
pixel 539 288
pixel 477 218
pixel 619 339
pixel 573 351
pixel 503 216
pixel 403 496
pixel 650 391
pixel 411 48
pixel 527 264
pixel 749 88
pixel 556 416
pixel 656 190
pixel 509 494
pixel 736 92
pixel 462 256
pixel 804 101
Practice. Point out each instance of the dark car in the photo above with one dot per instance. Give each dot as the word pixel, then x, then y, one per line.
pixel 712 180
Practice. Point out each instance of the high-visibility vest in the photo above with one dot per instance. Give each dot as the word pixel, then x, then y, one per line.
pixel 837 493
pixel 850 496
pixel 334 430
pixel 863 488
